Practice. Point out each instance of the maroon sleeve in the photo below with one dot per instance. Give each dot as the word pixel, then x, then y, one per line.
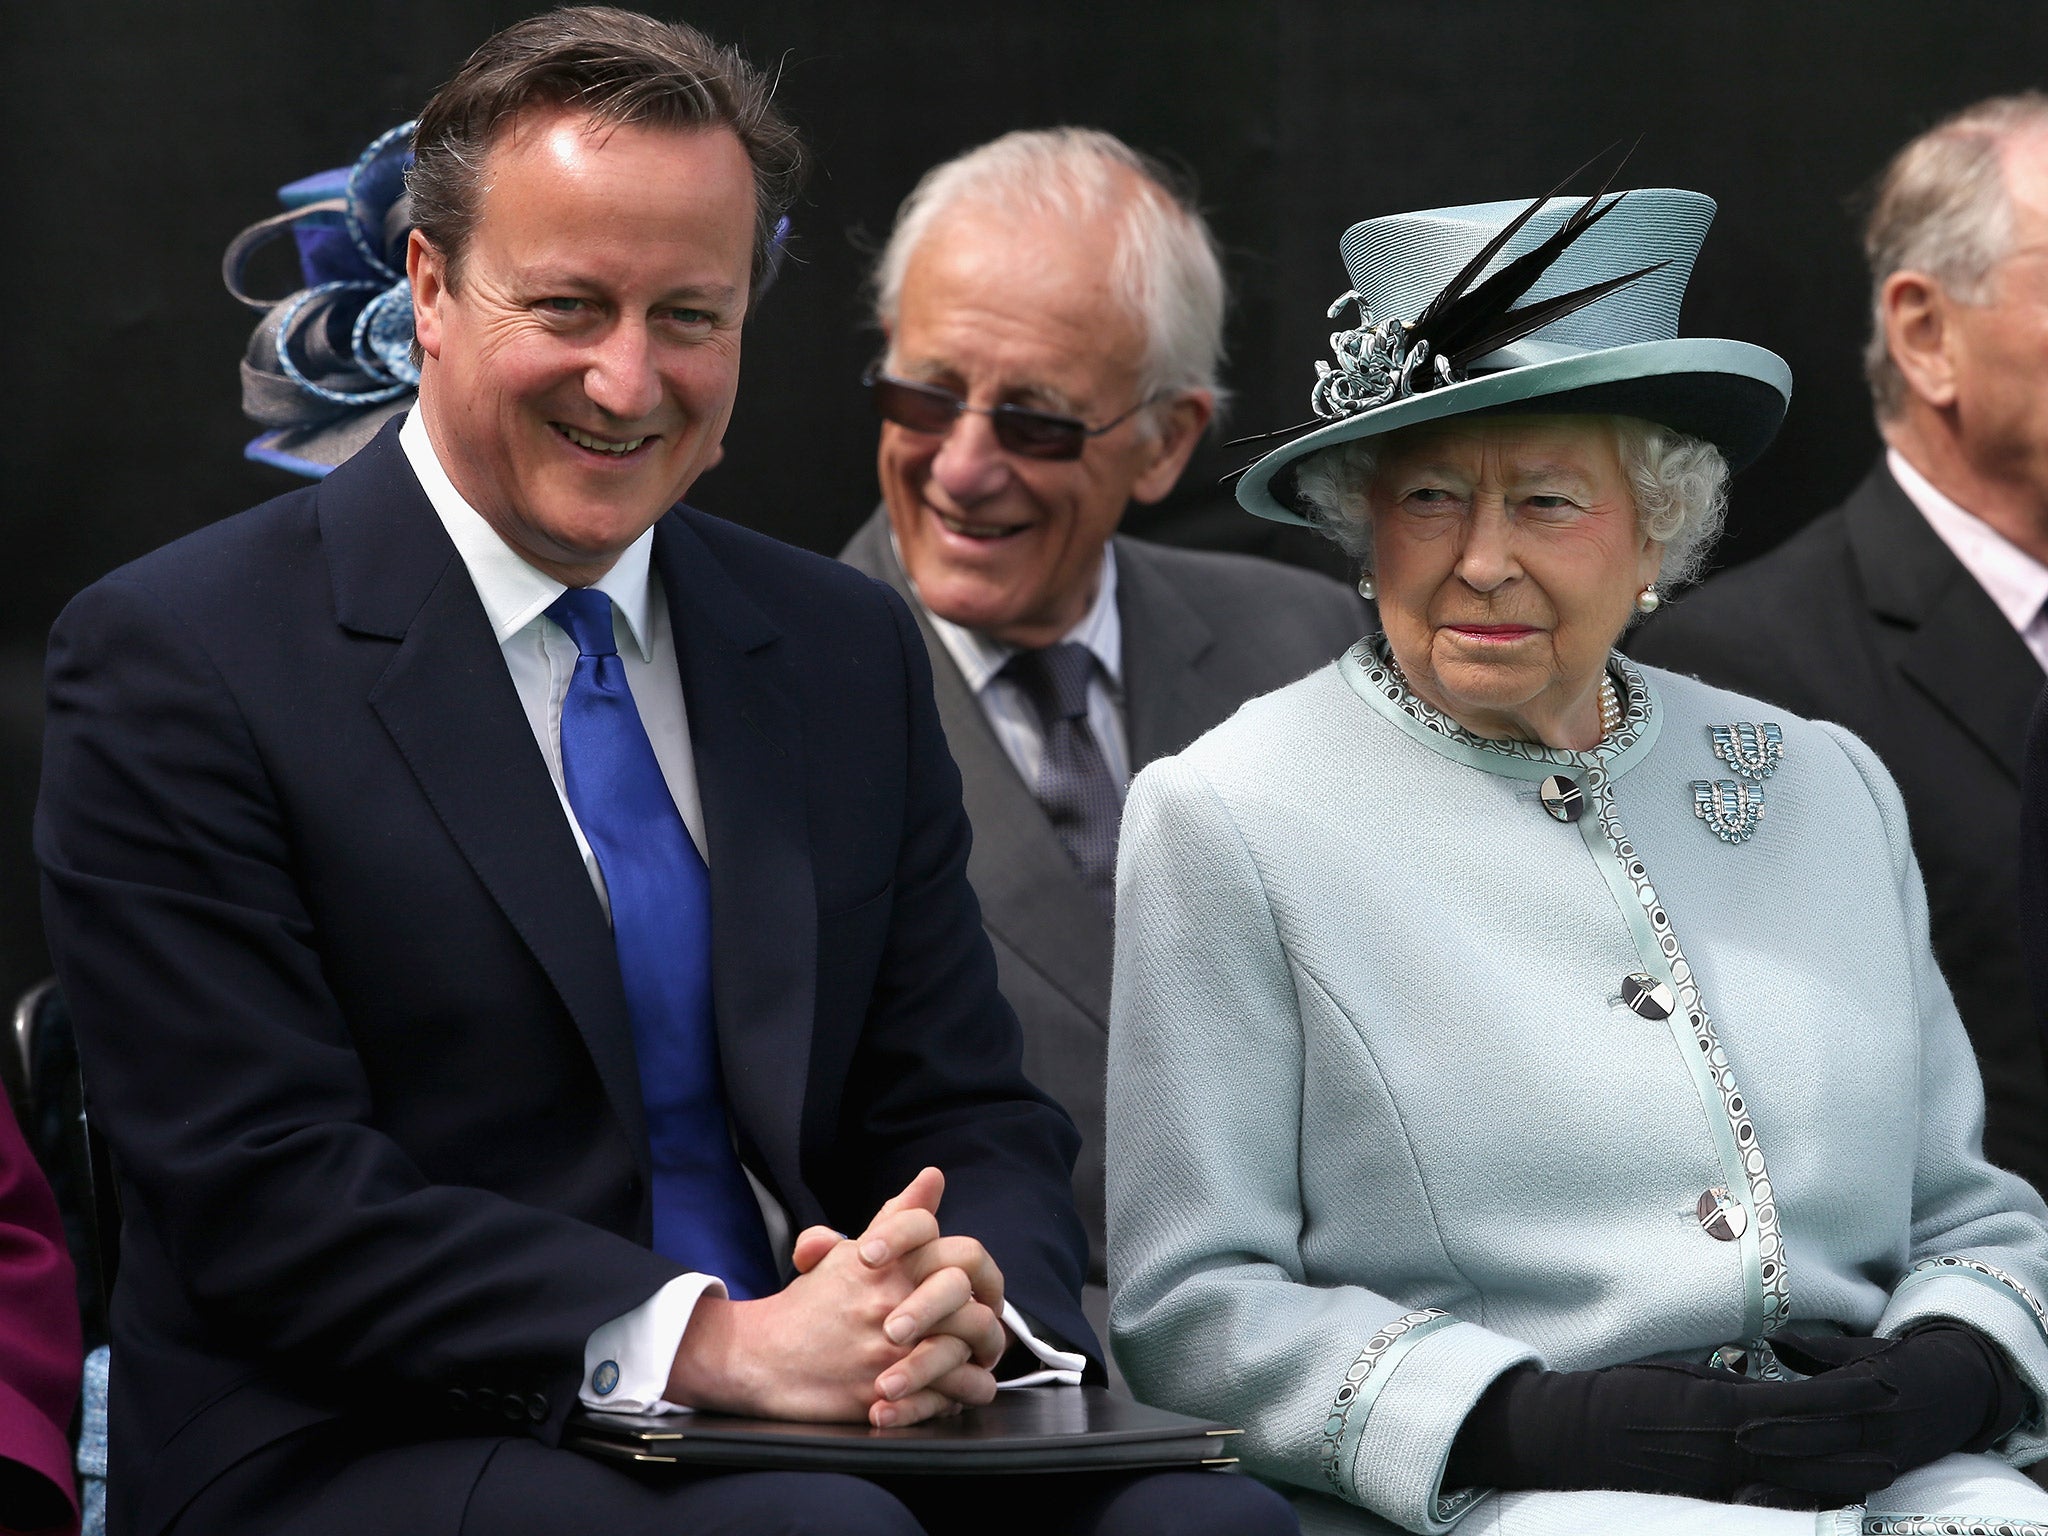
pixel 40 1348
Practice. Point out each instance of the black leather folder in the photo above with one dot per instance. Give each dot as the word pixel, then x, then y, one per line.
pixel 1031 1429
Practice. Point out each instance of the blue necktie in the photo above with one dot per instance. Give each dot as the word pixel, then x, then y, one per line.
pixel 705 1214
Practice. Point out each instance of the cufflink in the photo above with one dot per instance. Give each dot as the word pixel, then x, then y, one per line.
pixel 605 1379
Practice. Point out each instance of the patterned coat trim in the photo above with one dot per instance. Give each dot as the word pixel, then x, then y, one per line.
pixel 1762 1242
pixel 1376 664
pixel 1948 1525
pixel 1362 1383
pixel 1989 1272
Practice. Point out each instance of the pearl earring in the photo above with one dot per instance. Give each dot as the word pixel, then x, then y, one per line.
pixel 1367 587
pixel 1647 600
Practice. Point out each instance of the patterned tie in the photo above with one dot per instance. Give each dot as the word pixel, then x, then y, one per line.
pixel 1074 786
pixel 705 1214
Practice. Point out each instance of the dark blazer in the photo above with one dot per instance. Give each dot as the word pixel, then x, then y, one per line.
pixel 1867 619
pixel 1202 633
pixel 350 1009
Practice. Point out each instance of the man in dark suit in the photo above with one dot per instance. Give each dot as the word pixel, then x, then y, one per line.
pixel 1913 613
pixel 1054 309
pixel 499 906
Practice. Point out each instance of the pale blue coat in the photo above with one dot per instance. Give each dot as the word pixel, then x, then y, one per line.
pixel 1382 1124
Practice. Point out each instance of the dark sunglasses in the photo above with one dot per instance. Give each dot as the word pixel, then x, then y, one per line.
pixel 1027 433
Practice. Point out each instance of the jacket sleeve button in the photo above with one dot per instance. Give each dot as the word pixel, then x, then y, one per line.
pixel 537 1407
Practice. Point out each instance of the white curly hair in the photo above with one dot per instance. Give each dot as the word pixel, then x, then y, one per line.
pixel 1680 486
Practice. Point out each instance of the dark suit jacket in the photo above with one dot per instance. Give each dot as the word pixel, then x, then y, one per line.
pixel 1866 618
pixel 351 1013
pixel 1202 633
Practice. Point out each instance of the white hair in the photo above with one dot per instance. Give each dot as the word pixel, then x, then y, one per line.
pixel 1943 208
pixel 1679 483
pixel 1166 270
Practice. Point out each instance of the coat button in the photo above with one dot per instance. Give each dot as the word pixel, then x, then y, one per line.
pixel 536 1407
pixel 1646 996
pixel 1722 1216
pixel 1562 797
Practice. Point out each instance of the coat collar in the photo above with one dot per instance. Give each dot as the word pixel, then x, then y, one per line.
pixel 1032 898
pixel 1169 698
pixel 1369 667
pixel 1957 648
pixel 448 703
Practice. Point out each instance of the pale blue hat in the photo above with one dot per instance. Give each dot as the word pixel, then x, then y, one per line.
pixel 1596 331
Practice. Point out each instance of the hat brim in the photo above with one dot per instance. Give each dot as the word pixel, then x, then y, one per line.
pixel 1728 393
pixel 317 450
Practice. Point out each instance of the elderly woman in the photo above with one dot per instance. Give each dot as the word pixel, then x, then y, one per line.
pixel 1534 1106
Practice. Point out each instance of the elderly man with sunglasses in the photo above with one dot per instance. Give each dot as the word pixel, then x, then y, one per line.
pixel 1053 309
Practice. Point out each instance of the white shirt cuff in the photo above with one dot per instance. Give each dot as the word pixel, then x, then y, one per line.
pixel 627 1361
pixel 1058 1367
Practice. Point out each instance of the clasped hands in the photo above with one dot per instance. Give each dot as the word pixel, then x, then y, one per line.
pixel 1869 1411
pixel 894 1326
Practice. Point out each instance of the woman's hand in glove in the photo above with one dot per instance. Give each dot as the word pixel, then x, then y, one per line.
pixel 1672 1428
pixel 1871 1410
pixel 1952 1388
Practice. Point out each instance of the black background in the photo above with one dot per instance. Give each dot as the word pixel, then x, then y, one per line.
pixel 141 134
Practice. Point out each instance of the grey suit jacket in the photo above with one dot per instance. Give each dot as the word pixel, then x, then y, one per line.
pixel 1202 633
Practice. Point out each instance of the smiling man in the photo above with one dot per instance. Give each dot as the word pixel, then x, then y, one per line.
pixel 1053 309
pixel 516 925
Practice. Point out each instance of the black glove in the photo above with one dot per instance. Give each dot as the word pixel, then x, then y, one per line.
pixel 1873 1409
pixel 1675 1429
pixel 1953 1389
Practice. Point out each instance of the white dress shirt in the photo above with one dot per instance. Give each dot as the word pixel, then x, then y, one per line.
pixel 2010 577
pixel 631 1354
pixel 1009 710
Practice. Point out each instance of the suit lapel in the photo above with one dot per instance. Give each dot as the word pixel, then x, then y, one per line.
pixel 450 707
pixel 1168 700
pixel 1959 650
pixel 1032 897
pixel 746 734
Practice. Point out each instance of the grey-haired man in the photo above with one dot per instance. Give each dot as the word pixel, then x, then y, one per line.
pixel 1053 309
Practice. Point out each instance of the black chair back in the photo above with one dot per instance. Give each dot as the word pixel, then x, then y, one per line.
pixel 47 1089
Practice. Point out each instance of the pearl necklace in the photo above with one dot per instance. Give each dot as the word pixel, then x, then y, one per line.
pixel 1610 707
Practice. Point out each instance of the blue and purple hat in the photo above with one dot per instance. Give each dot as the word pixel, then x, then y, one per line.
pixel 332 361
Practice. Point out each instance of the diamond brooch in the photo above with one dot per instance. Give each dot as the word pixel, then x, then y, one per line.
pixel 1753 751
pixel 1731 808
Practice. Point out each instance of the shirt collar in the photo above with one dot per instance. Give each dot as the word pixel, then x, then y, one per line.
pixel 2010 577
pixel 514 593
pixel 982 659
